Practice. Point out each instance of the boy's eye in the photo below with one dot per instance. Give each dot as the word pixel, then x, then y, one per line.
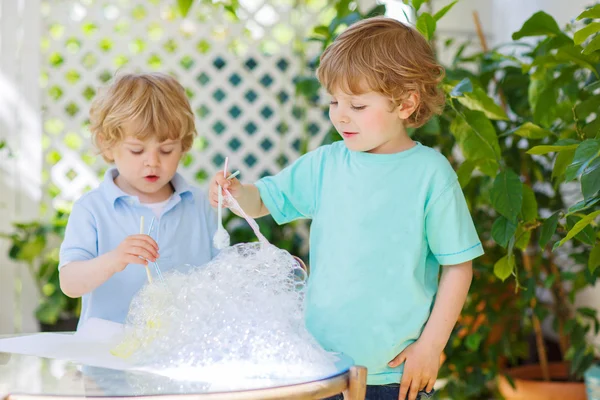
pixel 358 108
pixel 333 103
pixel 136 152
pixel 166 151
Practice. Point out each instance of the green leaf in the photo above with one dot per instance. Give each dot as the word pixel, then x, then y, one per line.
pixel 586 153
pixel 587 312
pixel 417 4
pixel 592 12
pixel 587 235
pixel 426 25
pixel 438 15
pixel 592 46
pixel 587 106
pixel 523 238
pixel 568 144
pixel 549 281
pixel 478 100
pixel 578 227
pixel 563 160
pixel 49 311
pixel 465 171
pixel 503 230
pixel 504 267
pixel 574 54
pixel 473 341
pixel 507 194
pixel 543 98
pixel 548 229
pixel 462 87
pixel 529 210
pixel 531 131
pixel 590 180
pixel 582 205
pixel 585 32
pixel 184 6
pixel 307 86
pixel 488 167
pixel 48 289
pixel 31 249
pixel 592 129
pixel 594 260
pixel 476 136
pixel 592 86
pixel 321 30
pixel 540 24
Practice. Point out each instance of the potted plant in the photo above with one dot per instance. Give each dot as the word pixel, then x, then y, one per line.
pixel 519 147
pixel 35 245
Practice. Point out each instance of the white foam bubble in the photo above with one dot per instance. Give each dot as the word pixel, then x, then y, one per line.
pixel 239 317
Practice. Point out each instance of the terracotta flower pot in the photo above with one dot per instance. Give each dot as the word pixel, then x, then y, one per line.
pixel 530 385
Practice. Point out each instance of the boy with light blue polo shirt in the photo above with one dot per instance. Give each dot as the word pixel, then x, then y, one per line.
pixel 144 124
pixel 386 213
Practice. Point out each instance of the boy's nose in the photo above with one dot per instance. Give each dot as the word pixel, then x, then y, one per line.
pixel 152 160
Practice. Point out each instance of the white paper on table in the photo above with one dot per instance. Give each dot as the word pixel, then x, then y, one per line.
pixel 91 345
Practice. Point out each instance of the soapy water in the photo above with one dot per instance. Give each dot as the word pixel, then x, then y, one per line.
pixel 239 318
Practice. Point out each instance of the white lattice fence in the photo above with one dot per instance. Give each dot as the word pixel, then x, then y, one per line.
pixel 238 73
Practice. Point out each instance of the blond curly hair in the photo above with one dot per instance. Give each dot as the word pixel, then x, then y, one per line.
pixel 156 102
pixel 384 55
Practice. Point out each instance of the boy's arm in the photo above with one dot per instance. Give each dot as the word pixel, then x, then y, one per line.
pixel 450 299
pixel 423 356
pixel 251 202
pixel 80 277
pixel 247 195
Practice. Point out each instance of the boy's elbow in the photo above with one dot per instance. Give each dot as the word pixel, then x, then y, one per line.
pixel 65 286
pixel 68 291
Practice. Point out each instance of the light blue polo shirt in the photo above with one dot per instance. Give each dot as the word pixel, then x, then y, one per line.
pixel 381 226
pixel 102 218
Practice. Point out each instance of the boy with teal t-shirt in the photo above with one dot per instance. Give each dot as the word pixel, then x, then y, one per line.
pixel 386 213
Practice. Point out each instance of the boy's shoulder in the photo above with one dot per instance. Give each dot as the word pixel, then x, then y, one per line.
pixel 437 164
pixel 91 199
pixel 432 155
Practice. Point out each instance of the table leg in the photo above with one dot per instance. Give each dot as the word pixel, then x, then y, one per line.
pixel 357 383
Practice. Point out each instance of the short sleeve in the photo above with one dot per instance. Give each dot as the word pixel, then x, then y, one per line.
pixel 292 193
pixel 450 231
pixel 81 237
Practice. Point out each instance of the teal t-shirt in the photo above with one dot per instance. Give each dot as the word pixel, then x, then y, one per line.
pixel 382 225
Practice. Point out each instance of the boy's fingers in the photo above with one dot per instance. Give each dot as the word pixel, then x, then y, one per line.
pixel 415 386
pixel 141 252
pixel 146 242
pixel 148 239
pixel 430 385
pixel 131 259
pixel 399 359
pixel 404 386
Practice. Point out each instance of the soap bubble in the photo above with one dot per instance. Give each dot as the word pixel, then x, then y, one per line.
pixel 239 318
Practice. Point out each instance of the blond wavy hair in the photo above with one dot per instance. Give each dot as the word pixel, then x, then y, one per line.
pixel 384 55
pixel 155 102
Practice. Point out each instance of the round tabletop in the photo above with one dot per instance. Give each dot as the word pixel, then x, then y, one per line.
pixel 30 377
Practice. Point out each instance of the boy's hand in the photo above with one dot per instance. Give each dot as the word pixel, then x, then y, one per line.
pixel 132 248
pixel 421 366
pixel 233 185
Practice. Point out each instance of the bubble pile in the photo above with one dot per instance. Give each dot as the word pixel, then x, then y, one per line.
pixel 239 318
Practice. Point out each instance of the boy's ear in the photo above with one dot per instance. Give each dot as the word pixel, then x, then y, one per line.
pixel 106 153
pixel 408 105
